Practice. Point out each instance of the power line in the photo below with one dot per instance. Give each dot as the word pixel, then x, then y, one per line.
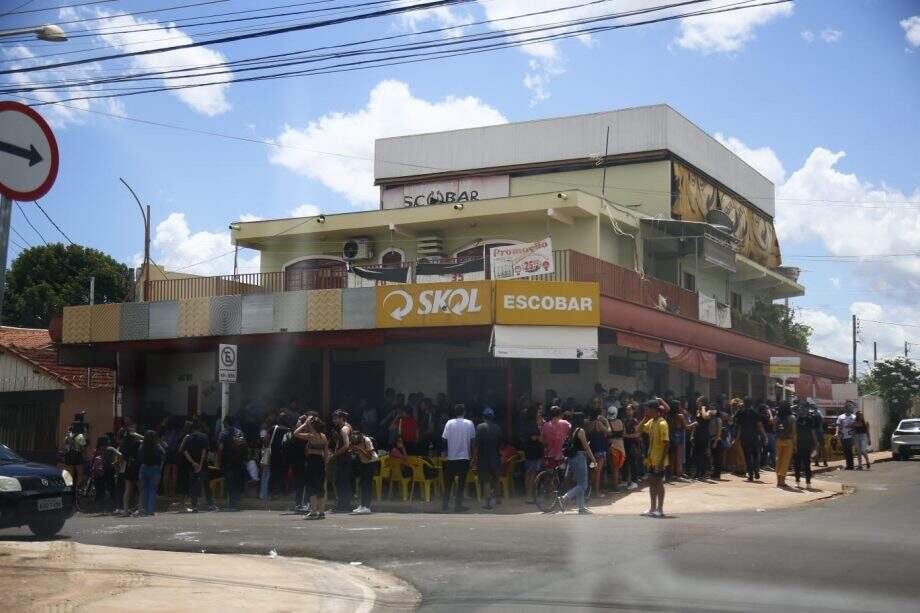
pixel 57 227
pixel 264 33
pixel 13 12
pixel 28 221
pixel 21 237
pixel 16 10
pixel 891 323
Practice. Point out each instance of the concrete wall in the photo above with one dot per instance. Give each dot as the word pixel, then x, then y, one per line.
pixel 99 405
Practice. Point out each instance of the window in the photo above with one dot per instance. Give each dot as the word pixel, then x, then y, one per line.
pixel 619 365
pixel 736 301
pixel 563 367
pixel 314 273
pixel 690 281
pixel 391 258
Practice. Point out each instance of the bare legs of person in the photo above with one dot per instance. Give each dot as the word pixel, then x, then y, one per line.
pixel 656 494
pixel 598 475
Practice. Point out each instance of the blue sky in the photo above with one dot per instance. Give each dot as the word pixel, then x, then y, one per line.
pixel 820 95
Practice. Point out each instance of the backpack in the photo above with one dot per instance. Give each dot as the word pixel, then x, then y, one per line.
pixel 570 445
pixel 239 448
pixel 98 465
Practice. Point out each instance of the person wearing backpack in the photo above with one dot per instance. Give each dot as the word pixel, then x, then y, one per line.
pixel 784 428
pixel 194 448
pixel 806 439
pixel 295 450
pixel 577 450
pixel 278 463
pixel 232 451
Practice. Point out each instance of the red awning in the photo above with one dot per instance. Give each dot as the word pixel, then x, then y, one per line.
pixel 696 361
pixel 823 385
pixel 638 342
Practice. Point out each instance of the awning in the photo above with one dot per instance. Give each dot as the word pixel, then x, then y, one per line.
pixel 639 343
pixel 696 361
pixel 555 342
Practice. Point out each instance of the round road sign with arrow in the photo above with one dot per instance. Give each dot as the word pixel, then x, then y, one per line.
pixel 28 153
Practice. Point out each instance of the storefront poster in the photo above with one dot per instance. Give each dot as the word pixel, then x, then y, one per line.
pixel 545 303
pixel 466 303
pixel 522 260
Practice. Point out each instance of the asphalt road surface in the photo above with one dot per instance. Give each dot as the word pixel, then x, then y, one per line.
pixel 858 552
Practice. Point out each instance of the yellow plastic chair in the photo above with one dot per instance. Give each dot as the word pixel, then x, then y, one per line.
pixel 381 476
pixel 507 480
pixel 418 465
pixel 396 476
pixel 472 479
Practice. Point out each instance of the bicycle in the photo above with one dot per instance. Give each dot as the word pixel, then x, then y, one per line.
pixel 551 483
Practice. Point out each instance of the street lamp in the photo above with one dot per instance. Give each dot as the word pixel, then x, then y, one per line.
pixel 49 32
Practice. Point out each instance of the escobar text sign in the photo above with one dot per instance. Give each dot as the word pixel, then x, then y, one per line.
pixel 434 304
pixel 547 303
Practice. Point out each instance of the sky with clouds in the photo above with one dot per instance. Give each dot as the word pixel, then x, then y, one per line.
pixel 821 96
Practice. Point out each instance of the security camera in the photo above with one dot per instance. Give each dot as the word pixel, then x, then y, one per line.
pixel 321 219
pixel 458 206
pixel 562 196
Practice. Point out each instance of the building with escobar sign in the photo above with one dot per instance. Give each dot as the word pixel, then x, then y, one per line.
pixel 624 247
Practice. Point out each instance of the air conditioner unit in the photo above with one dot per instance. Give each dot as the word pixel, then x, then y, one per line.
pixel 429 246
pixel 358 248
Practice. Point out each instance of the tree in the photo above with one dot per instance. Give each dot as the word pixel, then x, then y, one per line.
pixel 45 279
pixel 780 326
pixel 898 382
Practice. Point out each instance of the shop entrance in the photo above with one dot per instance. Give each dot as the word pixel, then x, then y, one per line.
pixel 481 382
pixel 353 381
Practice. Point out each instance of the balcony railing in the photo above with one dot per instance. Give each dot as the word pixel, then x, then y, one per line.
pixel 614 281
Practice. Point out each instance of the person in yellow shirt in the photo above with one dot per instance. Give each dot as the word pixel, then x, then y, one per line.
pixel 656 460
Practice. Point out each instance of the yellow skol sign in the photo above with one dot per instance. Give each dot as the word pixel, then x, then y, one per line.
pixel 434 304
pixel 547 303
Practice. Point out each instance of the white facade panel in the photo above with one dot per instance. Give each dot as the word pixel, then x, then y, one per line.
pixel 635 130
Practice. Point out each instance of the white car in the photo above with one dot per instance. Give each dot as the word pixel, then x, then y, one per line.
pixel 905 440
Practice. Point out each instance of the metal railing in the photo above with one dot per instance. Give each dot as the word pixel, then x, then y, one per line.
pixel 614 281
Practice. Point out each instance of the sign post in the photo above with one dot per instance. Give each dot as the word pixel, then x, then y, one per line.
pixel 785 368
pixel 226 374
pixel 28 167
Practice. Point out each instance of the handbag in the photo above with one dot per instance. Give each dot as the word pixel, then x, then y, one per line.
pixel 266 457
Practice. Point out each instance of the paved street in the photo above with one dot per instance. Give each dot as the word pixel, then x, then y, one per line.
pixel 856 552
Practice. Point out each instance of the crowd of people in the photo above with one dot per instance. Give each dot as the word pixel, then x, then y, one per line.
pixel 617 440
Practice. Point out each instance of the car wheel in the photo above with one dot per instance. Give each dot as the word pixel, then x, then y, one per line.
pixel 47 527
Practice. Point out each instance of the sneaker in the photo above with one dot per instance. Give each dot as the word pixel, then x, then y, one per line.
pixel 361 511
pixel 584 511
pixel 632 485
pixel 213 508
pixel 656 514
pixel 312 516
pixel 649 513
pixel 561 502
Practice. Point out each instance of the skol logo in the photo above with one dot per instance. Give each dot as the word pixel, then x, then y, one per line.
pixel 455 300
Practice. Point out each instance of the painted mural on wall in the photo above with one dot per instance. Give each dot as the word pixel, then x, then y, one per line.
pixel 693 196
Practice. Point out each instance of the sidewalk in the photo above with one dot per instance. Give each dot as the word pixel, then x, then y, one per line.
pixel 67 576
pixel 874 456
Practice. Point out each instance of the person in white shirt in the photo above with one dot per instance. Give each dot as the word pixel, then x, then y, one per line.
pixel 459 433
pixel 845 432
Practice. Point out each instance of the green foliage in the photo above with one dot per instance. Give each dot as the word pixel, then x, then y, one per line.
pixel 45 279
pixel 897 381
pixel 777 324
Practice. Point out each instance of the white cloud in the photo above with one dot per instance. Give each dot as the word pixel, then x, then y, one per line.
pixel 762 159
pixel 911 27
pixel 730 31
pixel 250 217
pixel 832 336
pixel 209 100
pixel 391 110
pixel 203 252
pixel 305 210
pixel 829 35
pixel 835 281
pixel 441 17
pixel 807 35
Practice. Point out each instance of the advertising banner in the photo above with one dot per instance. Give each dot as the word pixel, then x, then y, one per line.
pixel 466 303
pixel 547 303
pixel 785 368
pixel 523 260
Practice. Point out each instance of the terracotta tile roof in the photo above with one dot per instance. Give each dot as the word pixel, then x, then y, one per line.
pixel 34 346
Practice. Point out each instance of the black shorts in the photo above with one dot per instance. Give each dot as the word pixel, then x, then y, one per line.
pixel 316 475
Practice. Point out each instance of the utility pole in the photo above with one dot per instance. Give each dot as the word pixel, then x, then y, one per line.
pixel 92 301
pixel 854 348
pixel 6 209
pixel 146 217
pixel 874 352
pixel 906 348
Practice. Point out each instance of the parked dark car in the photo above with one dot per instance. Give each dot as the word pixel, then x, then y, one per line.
pixel 37 495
